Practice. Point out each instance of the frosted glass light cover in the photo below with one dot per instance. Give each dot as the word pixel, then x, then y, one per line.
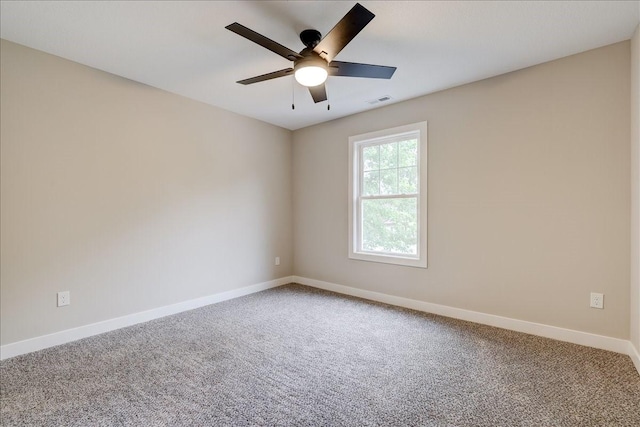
pixel 311 75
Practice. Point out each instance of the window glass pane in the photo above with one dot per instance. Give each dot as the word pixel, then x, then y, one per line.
pixel 390 226
pixel 389 181
pixel 371 183
pixel 408 180
pixel 408 153
pixel 389 155
pixel 371 158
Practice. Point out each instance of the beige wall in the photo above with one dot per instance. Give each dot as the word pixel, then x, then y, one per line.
pixel 635 189
pixel 528 195
pixel 130 197
pixel 133 198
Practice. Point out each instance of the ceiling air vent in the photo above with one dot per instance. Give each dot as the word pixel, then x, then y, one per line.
pixel 384 98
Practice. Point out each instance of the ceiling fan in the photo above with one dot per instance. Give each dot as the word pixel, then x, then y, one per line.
pixel 313 64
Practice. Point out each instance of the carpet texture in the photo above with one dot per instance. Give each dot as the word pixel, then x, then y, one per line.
pixel 297 356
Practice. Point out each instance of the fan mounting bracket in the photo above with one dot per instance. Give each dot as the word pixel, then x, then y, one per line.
pixel 310 38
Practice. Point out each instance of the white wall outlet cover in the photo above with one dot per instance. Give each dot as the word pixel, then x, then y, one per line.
pixel 597 300
pixel 277 260
pixel 64 298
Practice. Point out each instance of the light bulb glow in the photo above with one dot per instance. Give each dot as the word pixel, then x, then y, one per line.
pixel 311 75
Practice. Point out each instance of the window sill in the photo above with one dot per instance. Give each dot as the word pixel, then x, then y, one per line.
pixel 389 259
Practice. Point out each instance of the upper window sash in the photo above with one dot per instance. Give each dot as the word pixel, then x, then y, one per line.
pixel 383 172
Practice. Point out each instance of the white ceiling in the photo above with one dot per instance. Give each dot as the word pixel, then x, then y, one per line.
pixel 183 47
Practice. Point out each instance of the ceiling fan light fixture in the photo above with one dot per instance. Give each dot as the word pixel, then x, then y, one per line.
pixel 311 66
pixel 311 72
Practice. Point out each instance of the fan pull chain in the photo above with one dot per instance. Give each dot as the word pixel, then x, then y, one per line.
pixel 293 95
pixel 328 105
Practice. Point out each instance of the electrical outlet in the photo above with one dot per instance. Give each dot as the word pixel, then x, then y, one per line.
pixel 64 298
pixel 277 260
pixel 597 300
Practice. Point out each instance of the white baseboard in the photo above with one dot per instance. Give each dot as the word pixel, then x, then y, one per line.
pixel 63 337
pixel 561 334
pixel 568 335
pixel 634 353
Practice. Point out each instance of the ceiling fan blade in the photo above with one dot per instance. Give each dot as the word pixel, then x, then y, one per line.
pixel 263 41
pixel 318 93
pixel 268 76
pixel 344 31
pixel 353 69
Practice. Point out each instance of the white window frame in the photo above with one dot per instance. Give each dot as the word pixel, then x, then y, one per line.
pixel 355 197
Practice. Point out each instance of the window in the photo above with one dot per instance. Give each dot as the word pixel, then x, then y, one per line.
pixel 387 196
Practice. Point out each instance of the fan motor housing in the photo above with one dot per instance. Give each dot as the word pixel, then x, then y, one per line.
pixel 310 58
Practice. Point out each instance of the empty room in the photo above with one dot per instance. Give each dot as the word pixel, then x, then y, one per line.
pixel 319 213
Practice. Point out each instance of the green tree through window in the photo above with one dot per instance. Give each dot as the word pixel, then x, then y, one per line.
pixel 389 205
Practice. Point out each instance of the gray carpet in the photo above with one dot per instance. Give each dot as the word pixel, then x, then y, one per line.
pixel 296 356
